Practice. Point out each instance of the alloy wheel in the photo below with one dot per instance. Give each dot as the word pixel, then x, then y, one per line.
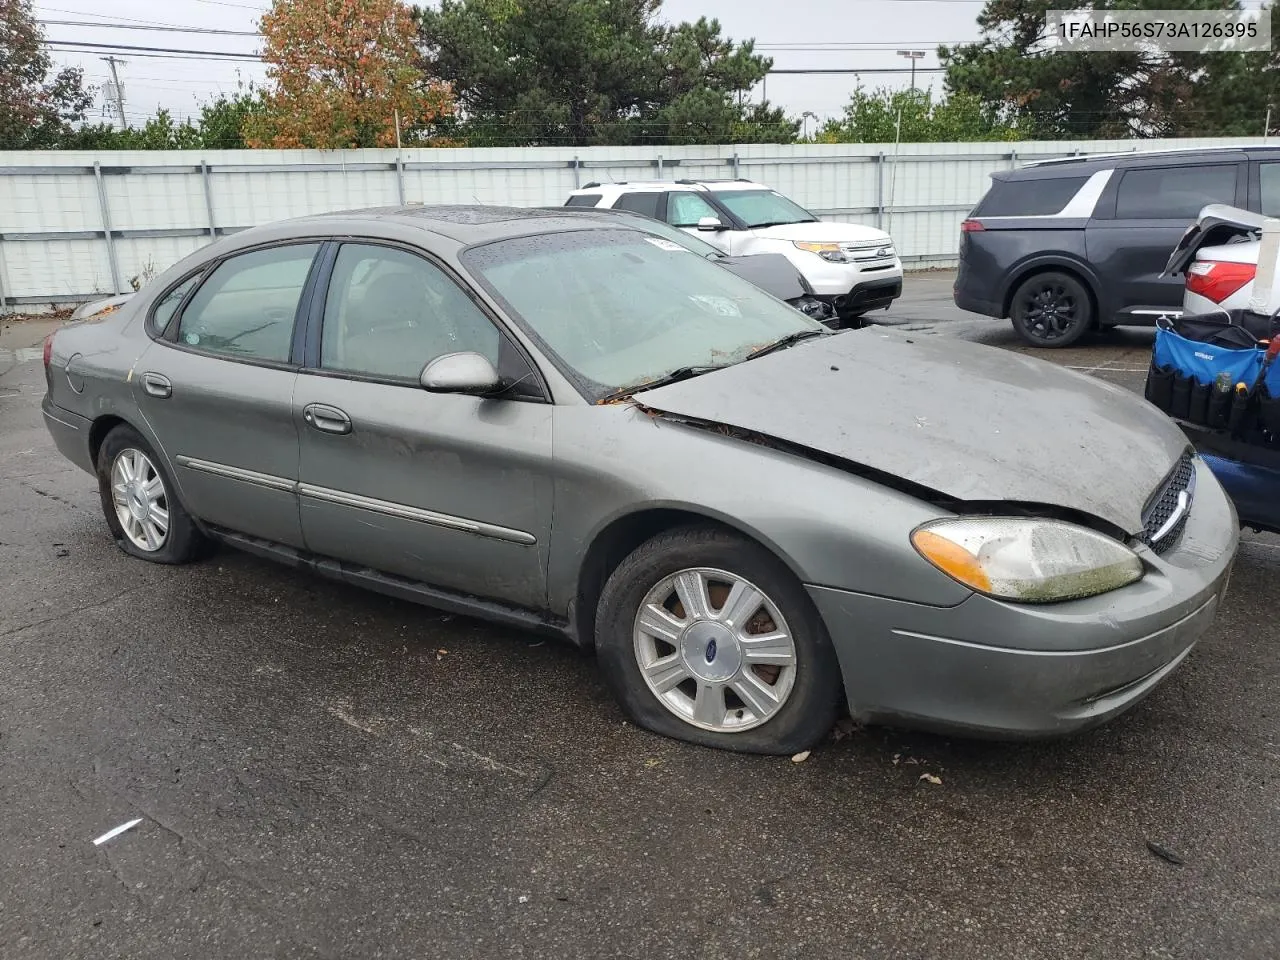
pixel 1050 311
pixel 715 650
pixel 140 499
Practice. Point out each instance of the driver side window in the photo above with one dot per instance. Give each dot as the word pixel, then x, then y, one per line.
pixel 685 209
pixel 389 312
pixel 247 306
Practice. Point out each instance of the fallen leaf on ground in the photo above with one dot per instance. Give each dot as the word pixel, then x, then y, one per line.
pixel 936 781
pixel 800 757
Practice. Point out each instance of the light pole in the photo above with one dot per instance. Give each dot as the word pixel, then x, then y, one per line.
pixel 913 56
pixel 805 118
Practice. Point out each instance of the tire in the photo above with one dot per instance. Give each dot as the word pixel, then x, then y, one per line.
pixel 802 697
pixel 123 455
pixel 1051 309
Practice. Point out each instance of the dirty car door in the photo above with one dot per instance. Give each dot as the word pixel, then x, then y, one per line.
pixel 447 489
pixel 217 391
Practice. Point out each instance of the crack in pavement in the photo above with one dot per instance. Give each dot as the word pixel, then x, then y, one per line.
pixel 69 613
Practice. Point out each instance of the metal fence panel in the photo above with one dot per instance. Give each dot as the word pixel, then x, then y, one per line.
pixel 56 207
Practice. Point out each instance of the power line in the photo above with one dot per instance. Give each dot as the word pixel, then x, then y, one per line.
pixel 229 3
pixel 221 54
pixel 109 16
pixel 864 70
pixel 130 26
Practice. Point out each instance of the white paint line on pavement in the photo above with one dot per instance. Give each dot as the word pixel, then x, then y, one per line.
pixel 21 355
pixel 1105 368
pixel 116 832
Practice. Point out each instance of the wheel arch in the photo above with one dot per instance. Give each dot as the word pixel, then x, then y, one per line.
pixel 619 536
pixel 1053 264
pixel 99 429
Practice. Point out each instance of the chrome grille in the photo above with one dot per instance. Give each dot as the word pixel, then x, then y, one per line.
pixel 1166 515
pixel 867 251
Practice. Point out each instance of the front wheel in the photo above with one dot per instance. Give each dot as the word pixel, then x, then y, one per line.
pixel 1051 309
pixel 705 636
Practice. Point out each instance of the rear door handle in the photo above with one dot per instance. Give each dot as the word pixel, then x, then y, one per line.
pixel 325 418
pixel 157 385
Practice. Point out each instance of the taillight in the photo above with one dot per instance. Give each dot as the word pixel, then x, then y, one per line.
pixel 971 226
pixel 48 350
pixel 1217 280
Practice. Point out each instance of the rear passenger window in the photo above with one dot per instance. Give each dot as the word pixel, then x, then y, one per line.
pixel 1269 181
pixel 583 200
pixel 162 313
pixel 1029 198
pixel 1174 193
pixel 645 204
pixel 246 307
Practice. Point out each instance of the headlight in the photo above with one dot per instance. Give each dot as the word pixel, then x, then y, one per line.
pixel 827 251
pixel 1031 561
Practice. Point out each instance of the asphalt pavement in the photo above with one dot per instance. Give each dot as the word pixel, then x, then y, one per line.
pixel 322 772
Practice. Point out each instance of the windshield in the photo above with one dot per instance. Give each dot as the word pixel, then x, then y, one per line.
pixel 763 208
pixel 619 308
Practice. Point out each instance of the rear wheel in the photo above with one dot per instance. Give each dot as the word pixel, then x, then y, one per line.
pixel 1051 309
pixel 139 502
pixel 704 636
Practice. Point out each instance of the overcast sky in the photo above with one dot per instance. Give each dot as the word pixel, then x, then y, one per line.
pixel 855 34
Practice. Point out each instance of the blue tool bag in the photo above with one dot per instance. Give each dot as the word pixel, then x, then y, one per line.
pixel 1207 369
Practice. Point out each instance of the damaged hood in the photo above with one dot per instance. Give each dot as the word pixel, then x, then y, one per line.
pixel 969 422
pixel 771 272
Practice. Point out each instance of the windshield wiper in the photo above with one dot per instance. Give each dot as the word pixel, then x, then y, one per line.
pixel 675 376
pixel 781 223
pixel 786 341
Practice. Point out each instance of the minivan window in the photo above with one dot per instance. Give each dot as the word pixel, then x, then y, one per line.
pixel 583 200
pixel 247 306
pixel 1269 181
pixel 1174 193
pixel 1029 198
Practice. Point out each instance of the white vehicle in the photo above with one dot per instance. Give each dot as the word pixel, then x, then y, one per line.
pixel 1219 255
pixel 852 267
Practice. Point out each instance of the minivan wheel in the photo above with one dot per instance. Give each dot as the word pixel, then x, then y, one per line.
pixel 1051 310
pixel 140 504
pixel 704 636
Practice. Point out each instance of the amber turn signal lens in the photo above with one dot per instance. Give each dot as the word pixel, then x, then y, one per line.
pixel 952 559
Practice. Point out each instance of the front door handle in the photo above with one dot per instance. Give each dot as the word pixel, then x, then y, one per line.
pixel 157 385
pixel 326 418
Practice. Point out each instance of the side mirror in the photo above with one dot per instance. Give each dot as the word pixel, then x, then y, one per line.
pixel 710 223
pixel 468 373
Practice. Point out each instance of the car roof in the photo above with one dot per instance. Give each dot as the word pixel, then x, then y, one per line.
pixel 1092 163
pixel 624 186
pixel 464 223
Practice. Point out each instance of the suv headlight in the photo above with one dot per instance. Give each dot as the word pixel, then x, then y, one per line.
pixel 1027 560
pixel 827 251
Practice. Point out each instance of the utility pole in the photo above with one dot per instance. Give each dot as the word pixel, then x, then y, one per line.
pixel 119 92
pixel 913 56
pixel 1266 124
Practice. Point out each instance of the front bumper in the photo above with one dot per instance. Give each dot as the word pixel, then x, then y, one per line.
pixel 990 668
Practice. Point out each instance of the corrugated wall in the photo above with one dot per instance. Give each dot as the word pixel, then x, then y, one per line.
pixel 77 225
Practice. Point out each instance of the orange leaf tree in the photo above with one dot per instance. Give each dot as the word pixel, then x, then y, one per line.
pixel 339 70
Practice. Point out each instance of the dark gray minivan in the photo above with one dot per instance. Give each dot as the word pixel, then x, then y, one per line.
pixel 1064 246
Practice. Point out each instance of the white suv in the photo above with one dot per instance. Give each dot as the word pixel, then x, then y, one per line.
pixel 852 267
